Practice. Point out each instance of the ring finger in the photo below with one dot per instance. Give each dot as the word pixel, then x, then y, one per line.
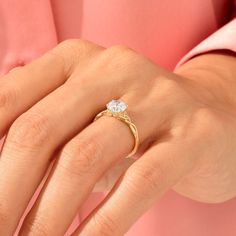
pixel 82 162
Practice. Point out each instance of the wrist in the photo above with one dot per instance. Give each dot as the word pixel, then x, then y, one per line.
pixel 213 75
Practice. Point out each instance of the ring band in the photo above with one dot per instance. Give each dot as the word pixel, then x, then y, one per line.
pixel 116 108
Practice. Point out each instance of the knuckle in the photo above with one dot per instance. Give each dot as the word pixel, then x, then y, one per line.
pixel 120 48
pixel 104 224
pixel 82 156
pixel 71 47
pixel 8 97
pixel 30 130
pixel 121 51
pixel 73 43
pixel 208 118
pixel 148 176
pixel 206 114
pixel 5 216
pixel 70 52
pixel 209 124
pixel 122 59
pixel 171 90
pixel 75 46
pixel 168 86
pixel 36 227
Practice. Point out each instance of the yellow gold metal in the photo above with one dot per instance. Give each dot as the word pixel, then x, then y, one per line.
pixel 123 116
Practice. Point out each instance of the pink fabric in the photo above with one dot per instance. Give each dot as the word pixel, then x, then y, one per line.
pixel 168 32
pixel 224 38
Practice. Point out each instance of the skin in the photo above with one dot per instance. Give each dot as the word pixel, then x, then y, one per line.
pixel 186 122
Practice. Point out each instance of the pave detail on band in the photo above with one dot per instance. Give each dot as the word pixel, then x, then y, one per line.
pixel 117 109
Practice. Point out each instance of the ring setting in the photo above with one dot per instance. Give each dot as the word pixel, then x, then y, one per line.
pixel 117 109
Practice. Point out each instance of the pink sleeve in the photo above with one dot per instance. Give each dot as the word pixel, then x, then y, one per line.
pixel 224 38
pixel 27 31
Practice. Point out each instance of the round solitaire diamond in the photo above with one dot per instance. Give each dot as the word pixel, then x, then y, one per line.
pixel 116 106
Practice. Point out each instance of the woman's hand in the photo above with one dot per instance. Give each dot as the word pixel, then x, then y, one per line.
pixel 186 123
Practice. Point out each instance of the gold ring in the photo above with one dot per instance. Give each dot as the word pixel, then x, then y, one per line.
pixel 117 109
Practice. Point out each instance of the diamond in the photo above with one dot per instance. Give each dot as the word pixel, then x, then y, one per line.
pixel 116 106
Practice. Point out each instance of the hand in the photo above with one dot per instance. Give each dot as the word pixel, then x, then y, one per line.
pixel 186 126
